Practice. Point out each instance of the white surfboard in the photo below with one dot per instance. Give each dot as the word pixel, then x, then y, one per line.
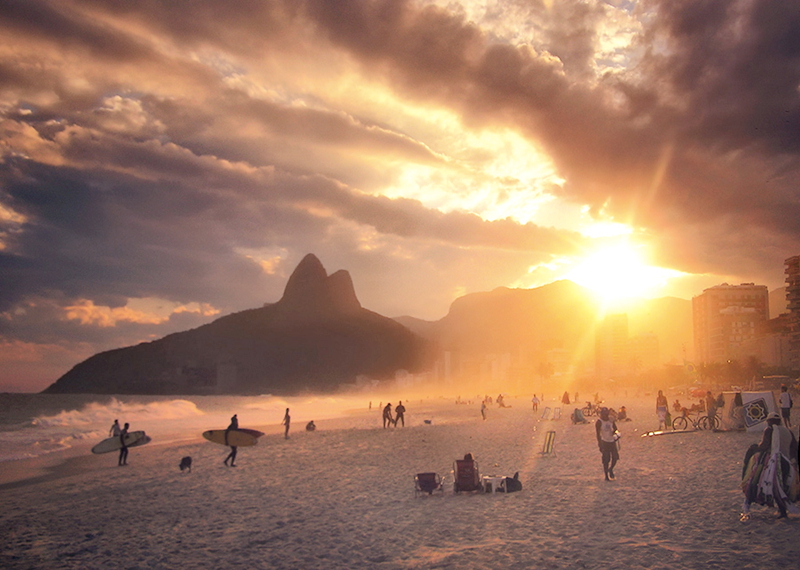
pixel 114 443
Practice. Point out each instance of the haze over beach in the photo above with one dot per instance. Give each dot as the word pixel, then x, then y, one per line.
pixel 216 208
pixel 162 166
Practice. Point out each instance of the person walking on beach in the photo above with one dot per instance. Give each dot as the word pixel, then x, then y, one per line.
pixel 287 419
pixel 535 402
pixel 661 410
pixel 786 404
pixel 399 412
pixel 606 430
pixel 115 429
pixel 232 455
pixel 387 415
pixel 483 409
pixel 123 451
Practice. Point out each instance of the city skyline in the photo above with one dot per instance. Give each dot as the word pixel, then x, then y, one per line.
pixel 161 167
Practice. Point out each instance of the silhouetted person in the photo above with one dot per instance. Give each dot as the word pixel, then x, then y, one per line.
pixel 232 455
pixel 311 426
pixel 398 414
pixel 123 451
pixel 662 409
pixel 786 404
pixel 287 419
pixel 387 415
pixel 115 429
pixel 605 429
pixel 483 409
pixel 711 406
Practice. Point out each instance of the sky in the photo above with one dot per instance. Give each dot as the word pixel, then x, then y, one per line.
pixel 163 163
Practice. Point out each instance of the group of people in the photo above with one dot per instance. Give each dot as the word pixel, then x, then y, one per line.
pixel 399 411
pixel 770 474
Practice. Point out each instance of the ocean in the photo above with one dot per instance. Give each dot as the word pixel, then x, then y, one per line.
pixel 33 425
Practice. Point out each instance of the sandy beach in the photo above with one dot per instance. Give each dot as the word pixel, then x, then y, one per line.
pixel 343 497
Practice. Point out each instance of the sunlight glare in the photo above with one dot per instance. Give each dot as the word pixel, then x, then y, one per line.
pixel 619 273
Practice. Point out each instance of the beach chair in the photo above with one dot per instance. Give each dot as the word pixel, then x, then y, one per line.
pixel 557 414
pixel 546 413
pixel 427 483
pixel 549 446
pixel 466 476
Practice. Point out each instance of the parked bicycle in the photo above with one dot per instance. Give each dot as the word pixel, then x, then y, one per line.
pixel 682 422
pixel 591 409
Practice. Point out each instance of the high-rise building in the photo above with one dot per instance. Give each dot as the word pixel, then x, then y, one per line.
pixel 725 316
pixel 611 350
pixel 644 352
pixel 793 301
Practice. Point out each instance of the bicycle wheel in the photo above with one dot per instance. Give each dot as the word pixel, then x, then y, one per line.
pixel 679 423
pixel 716 422
pixel 587 411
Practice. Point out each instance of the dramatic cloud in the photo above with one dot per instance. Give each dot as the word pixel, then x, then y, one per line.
pixel 162 162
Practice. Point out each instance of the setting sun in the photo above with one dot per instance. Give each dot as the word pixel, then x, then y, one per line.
pixel 618 273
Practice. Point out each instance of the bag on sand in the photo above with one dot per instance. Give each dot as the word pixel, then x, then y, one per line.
pixel 513 483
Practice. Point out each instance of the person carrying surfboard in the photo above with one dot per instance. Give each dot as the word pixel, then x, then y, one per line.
pixel 123 451
pixel 232 455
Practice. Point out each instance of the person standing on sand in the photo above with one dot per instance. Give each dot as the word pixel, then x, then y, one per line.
pixel 606 431
pixel 711 406
pixel 786 403
pixel 483 409
pixel 535 402
pixel 115 429
pixel 399 412
pixel 232 455
pixel 123 451
pixel 387 414
pixel 287 419
pixel 769 475
pixel 661 410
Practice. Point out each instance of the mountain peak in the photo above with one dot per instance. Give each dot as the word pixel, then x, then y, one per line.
pixel 310 291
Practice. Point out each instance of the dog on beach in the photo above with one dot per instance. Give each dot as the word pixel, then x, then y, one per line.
pixel 186 463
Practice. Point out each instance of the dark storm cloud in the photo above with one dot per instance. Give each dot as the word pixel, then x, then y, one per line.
pixel 138 160
pixel 714 102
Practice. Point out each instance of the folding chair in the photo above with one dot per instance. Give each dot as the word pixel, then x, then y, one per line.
pixel 427 483
pixel 549 446
pixel 466 476
pixel 546 413
pixel 557 414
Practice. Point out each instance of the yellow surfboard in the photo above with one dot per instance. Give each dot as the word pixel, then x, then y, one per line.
pixel 233 437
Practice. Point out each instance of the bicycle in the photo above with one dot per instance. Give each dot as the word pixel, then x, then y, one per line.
pixel 681 422
pixel 591 409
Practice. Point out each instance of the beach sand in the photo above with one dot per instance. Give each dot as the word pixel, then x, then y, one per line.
pixel 342 497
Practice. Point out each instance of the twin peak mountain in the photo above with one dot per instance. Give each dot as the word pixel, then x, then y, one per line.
pixel 316 338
